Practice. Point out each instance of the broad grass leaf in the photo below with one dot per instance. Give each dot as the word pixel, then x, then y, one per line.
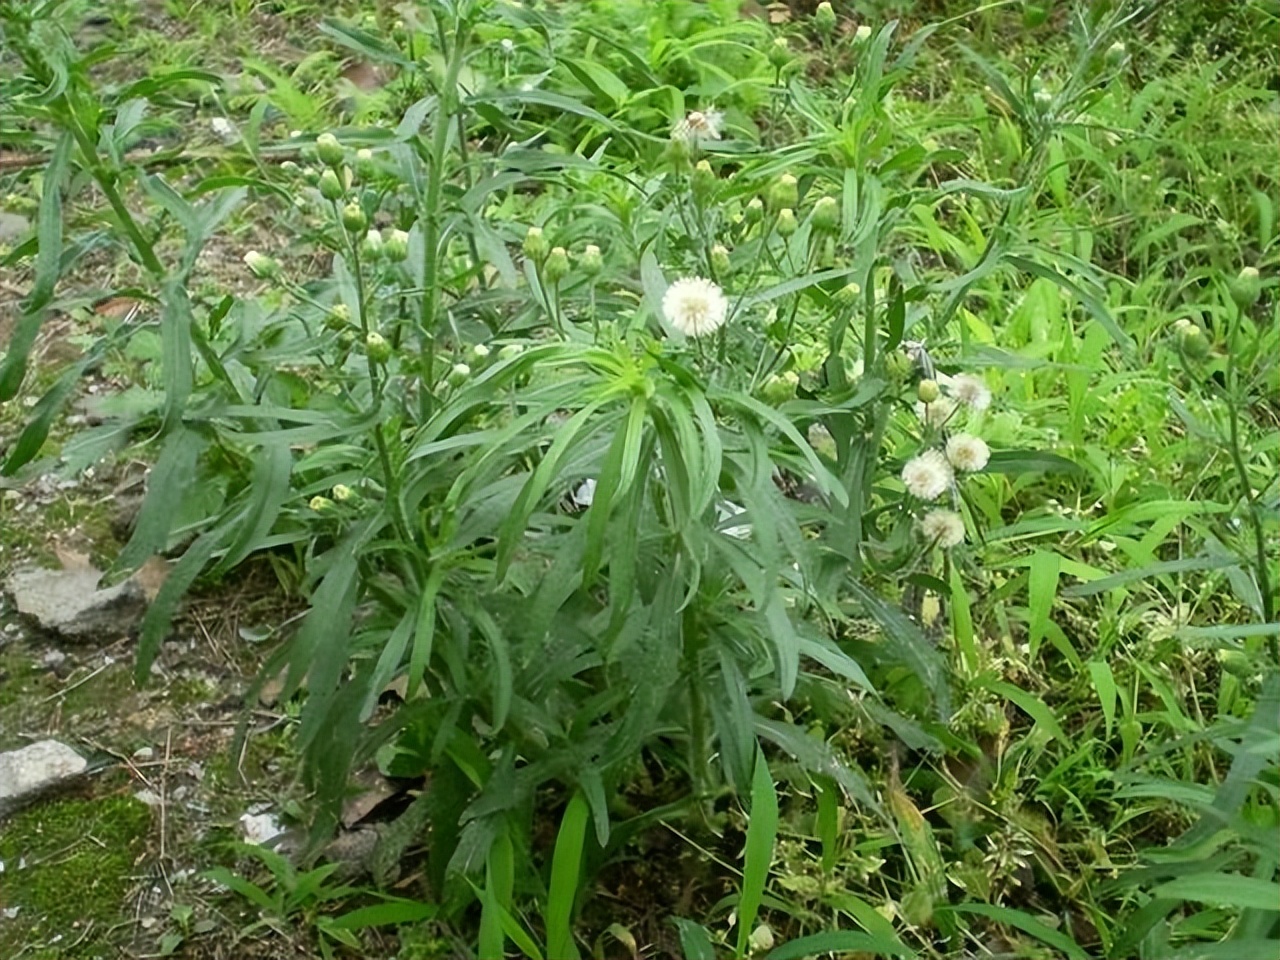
pixel 1104 682
pixel 908 645
pixel 1042 587
pixel 170 481
pixel 33 436
pixel 1223 889
pixel 762 834
pixel 267 493
pixel 159 615
pixel 498 887
pixel 562 891
pixel 1030 704
pixel 695 942
pixel 839 941
pixel 1125 577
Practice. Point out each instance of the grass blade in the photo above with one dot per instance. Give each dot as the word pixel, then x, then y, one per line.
pixel 566 865
pixel 762 833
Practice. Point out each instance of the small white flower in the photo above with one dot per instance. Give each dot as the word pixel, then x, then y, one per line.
pixel 927 476
pixel 937 413
pixel 508 46
pixel 695 306
pixel 698 126
pixel 969 390
pixel 967 452
pixel 943 527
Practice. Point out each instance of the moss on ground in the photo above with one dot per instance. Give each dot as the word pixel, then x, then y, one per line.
pixel 80 866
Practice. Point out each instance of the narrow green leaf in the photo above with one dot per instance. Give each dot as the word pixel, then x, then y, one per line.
pixel 1030 704
pixel 1024 922
pixel 1223 890
pixel 1104 682
pixel 762 834
pixel 695 942
pixel 1161 568
pixel 1042 587
pixel 562 892
pixel 837 941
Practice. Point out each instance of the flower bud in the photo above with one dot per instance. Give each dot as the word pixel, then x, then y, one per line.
pixel 591 260
pixel 1246 288
pixel 330 185
pixel 353 218
pixel 320 504
pixel 480 352
pixel 826 215
pixel 507 45
pixel 784 192
pixel 1193 342
pixel 754 211
pixel 704 179
pixel 291 168
pixel 376 347
pixel 311 175
pixel 780 388
pixel 329 150
pixel 458 374
pixel 557 266
pixel 371 245
pixel 824 18
pixel 847 295
pixel 720 259
pixel 261 266
pixel 1116 54
pixel 779 53
pixel 510 351
pixel 787 222
pixel 342 493
pixel 365 166
pixel 927 391
pixel 338 317
pixel 535 244
pixel 395 245
pixel 862 34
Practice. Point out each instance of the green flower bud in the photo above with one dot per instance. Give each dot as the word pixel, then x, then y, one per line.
pixel 780 388
pixel 510 350
pixel 311 175
pixel 342 493
pixel 480 352
pixel 847 295
pixel 535 244
pixel 1246 288
pixel 754 211
pixel 591 260
pixel 338 317
pixel 365 165
pixel 458 374
pixel 377 348
pixel 291 168
pixel 353 217
pixel 787 222
pixel 784 192
pixel 779 53
pixel 320 504
pixel 720 259
pixel 897 365
pixel 330 185
pixel 704 179
pixel 261 266
pixel 927 391
pixel 329 150
pixel 826 215
pixel 557 266
pixel 824 19
pixel 1193 342
pixel 761 939
pixel 862 34
pixel 371 245
pixel 395 245
pixel 1116 54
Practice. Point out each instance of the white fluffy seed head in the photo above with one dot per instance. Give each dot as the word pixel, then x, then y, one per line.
pixel 937 413
pixel 968 453
pixel 695 306
pixel 927 476
pixel 969 390
pixel 945 528
pixel 698 126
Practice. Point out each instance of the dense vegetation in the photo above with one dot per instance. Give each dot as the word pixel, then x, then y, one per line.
pixel 778 481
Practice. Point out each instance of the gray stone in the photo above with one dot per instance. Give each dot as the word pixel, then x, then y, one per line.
pixel 13 227
pixel 68 602
pixel 30 771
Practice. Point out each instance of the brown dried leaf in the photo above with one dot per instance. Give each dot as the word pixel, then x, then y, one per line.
pixel 151 576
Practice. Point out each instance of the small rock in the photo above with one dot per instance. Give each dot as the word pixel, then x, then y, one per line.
pixel 69 603
pixel 13 227
pixel 28 772
pixel 149 797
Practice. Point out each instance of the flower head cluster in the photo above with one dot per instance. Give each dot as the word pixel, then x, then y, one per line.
pixel 695 306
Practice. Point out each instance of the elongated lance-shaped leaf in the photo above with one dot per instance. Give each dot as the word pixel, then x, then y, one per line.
pixel 562 891
pixel 762 834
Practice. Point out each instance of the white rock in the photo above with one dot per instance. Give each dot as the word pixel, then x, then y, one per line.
pixel 69 602
pixel 27 772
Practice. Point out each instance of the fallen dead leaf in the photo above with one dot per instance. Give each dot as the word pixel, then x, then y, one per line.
pixel 151 576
